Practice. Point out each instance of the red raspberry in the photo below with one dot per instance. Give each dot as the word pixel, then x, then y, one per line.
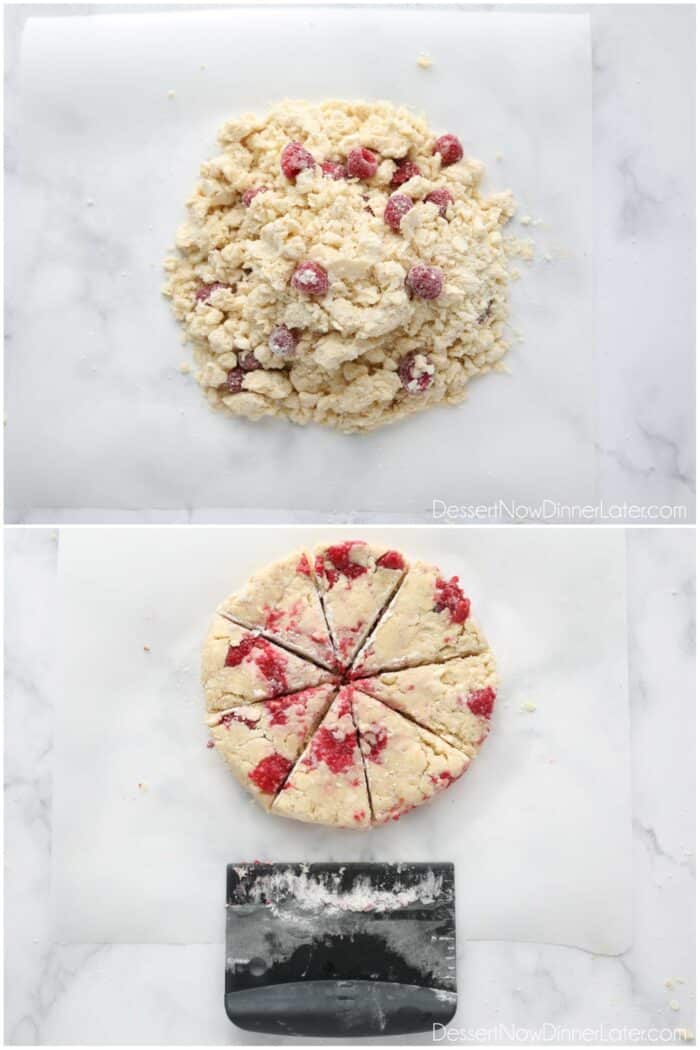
pixel 481 701
pixel 449 595
pixel 248 361
pixel 405 170
pixel 450 149
pixel 391 560
pixel 295 159
pixel 412 378
pixel 311 279
pixel 270 773
pixel 440 197
pixel 396 207
pixel 282 341
pixel 334 168
pixel 251 193
pixel 234 380
pixel 425 282
pixel 204 291
pixel 362 163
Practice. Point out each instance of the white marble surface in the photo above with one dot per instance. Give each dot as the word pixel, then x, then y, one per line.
pixel 643 303
pixel 165 994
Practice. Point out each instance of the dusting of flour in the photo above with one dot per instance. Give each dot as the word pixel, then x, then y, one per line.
pixel 311 893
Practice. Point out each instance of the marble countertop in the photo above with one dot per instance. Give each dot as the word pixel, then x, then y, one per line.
pixel 643 259
pixel 168 994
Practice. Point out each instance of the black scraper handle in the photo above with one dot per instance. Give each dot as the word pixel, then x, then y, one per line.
pixel 340 1008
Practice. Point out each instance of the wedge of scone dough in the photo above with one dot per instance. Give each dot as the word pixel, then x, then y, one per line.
pixel 240 667
pixel 327 785
pixel 282 601
pixel 356 581
pixel 454 699
pixel 427 621
pixel 405 764
pixel 261 742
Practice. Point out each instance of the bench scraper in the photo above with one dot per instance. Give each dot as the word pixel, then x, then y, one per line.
pixel 340 949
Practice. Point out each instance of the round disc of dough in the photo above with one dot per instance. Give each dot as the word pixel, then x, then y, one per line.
pixel 347 685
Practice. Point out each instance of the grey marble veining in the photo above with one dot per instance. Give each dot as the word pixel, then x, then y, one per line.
pixel 643 175
pixel 165 994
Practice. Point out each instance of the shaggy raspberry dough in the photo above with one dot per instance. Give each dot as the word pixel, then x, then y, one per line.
pixel 401 705
pixel 406 764
pixel 428 621
pixel 454 699
pixel 356 581
pixel 283 603
pixel 261 742
pixel 240 666
pixel 327 785
pixel 323 253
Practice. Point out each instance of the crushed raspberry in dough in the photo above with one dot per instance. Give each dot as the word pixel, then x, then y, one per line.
pixel 284 604
pixel 261 742
pixel 406 765
pixel 454 699
pixel 356 580
pixel 238 666
pixel 327 785
pixel 421 625
pixel 320 254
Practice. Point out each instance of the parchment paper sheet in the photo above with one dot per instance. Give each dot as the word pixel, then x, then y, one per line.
pixel 539 830
pixel 98 416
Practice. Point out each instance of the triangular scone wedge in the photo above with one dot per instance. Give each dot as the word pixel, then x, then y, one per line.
pixel 426 622
pixel 405 764
pixel 327 785
pixel 356 581
pixel 240 667
pixel 454 699
pixel 282 602
pixel 261 742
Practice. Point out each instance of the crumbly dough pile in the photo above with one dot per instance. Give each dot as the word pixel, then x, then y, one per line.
pixel 376 729
pixel 375 346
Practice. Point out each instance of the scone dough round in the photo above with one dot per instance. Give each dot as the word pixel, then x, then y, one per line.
pixel 345 685
pixel 366 281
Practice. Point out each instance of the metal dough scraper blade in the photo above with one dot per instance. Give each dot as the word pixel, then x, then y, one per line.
pixel 340 949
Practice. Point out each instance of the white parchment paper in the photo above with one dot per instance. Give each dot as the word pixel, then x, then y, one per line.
pixel 539 830
pixel 99 418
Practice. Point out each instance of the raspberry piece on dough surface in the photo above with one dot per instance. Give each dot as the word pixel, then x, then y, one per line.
pixel 398 205
pixel 420 627
pixel 362 163
pixel 261 742
pixel 450 149
pixel 282 602
pixel 441 199
pixel 310 279
pixel 295 159
pixel 356 580
pixel 454 699
pixel 405 170
pixel 334 169
pixel 327 785
pixel 416 372
pixel 240 666
pixel 425 282
pixel 406 765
